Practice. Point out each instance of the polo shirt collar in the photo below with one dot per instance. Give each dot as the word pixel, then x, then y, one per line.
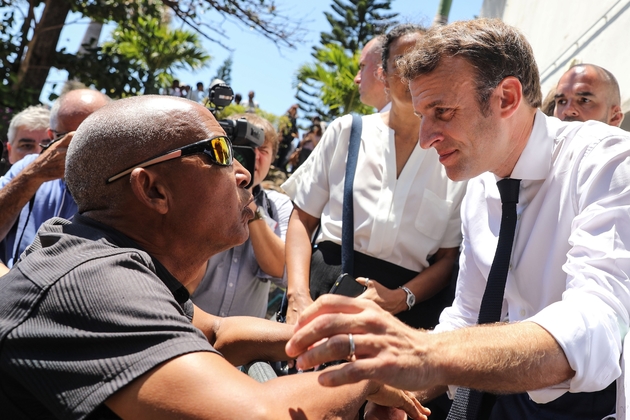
pixel 123 241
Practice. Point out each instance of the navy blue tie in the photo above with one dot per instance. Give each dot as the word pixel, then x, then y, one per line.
pixel 468 402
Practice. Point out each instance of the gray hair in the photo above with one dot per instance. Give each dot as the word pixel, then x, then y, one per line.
pixel 121 134
pixel 33 118
pixel 495 50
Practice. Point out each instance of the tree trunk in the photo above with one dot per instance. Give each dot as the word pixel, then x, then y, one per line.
pixel 441 17
pixel 41 50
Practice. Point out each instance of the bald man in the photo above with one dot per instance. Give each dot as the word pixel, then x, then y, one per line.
pixel 115 332
pixel 369 79
pixel 588 92
pixel 33 190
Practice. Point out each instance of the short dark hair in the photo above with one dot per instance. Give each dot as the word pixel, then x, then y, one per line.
pixel 396 32
pixel 495 51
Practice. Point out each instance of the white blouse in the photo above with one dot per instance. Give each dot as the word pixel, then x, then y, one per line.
pixel 402 220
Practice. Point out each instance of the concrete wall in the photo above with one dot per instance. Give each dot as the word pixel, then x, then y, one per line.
pixel 564 32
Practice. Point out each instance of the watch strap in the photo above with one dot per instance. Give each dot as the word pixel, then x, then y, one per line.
pixel 411 298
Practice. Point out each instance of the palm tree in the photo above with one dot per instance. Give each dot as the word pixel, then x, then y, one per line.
pixel 332 77
pixel 151 46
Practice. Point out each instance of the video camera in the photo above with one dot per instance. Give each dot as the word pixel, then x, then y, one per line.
pixel 244 135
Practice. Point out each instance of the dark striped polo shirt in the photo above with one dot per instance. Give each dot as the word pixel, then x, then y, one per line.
pixel 82 314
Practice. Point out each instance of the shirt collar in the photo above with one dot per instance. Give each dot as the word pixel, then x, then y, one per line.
pixel 123 241
pixel 535 160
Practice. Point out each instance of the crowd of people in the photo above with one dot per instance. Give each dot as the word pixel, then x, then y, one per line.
pixel 484 229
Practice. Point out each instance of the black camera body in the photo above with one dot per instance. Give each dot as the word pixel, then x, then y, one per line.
pixel 245 136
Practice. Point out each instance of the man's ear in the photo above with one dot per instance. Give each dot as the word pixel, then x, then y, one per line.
pixel 617 116
pixel 51 134
pixel 149 189
pixel 510 93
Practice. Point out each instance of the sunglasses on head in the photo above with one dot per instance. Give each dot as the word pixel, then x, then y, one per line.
pixel 218 149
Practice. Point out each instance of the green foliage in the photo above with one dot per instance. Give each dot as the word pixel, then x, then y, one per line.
pixel 138 59
pixel 153 48
pixel 11 43
pixel 114 73
pixel 224 72
pixel 357 21
pixel 240 109
pixel 147 60
pixel 326 87
pixel 119 11
pixel 332 77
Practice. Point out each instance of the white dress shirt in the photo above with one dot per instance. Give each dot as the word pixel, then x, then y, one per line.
pixel 403 220
pixel 570 261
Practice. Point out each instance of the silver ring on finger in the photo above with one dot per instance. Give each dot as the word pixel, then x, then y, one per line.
pixel 350 356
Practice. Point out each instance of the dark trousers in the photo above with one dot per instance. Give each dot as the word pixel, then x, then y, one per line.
pixel 283 156
pixel 326 267
pixel 579 406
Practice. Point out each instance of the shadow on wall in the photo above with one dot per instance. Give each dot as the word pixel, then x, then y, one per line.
pixel 625 124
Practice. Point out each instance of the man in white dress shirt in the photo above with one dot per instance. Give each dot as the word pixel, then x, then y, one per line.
pixel 475 85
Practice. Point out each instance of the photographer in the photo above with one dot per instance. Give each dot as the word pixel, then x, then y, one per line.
pixel 237 281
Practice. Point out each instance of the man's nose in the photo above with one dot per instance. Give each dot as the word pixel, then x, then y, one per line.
pixel 570 110
pixel 241 174
pixel 429 134
pixel 357 78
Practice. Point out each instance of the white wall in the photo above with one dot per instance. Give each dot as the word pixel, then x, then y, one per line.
pixel 563 32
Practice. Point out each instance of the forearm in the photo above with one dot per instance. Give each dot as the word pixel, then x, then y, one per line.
pixel 426 395
pixel 435 277
pixel 13 197
pixel 425 285
pixel 317 400
pixel 268 248
pixel 298 254
pixel 244 339
pixel 505 358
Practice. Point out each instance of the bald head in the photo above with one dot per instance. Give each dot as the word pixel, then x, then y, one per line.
pixel 369 80
pixel 588 92
pixel 126 132
pixel 71 108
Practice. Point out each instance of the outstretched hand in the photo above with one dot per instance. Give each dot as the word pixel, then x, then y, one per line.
pixel 396 404
pixel 386 350
pixel 392 300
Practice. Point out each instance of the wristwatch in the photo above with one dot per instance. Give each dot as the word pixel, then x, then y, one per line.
pixel 258 214
pixel 411 299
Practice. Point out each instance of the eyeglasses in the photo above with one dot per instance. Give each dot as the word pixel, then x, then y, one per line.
pixel 218 148
pixel 47 143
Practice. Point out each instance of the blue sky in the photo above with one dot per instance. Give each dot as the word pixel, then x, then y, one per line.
pixel 261 66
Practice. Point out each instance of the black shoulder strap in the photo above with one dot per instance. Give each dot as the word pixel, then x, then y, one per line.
pixel 347 216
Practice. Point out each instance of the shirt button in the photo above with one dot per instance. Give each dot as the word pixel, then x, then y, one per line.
pixel 223 314
pixel 231 284
pixel 235 260
pixel 523 312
